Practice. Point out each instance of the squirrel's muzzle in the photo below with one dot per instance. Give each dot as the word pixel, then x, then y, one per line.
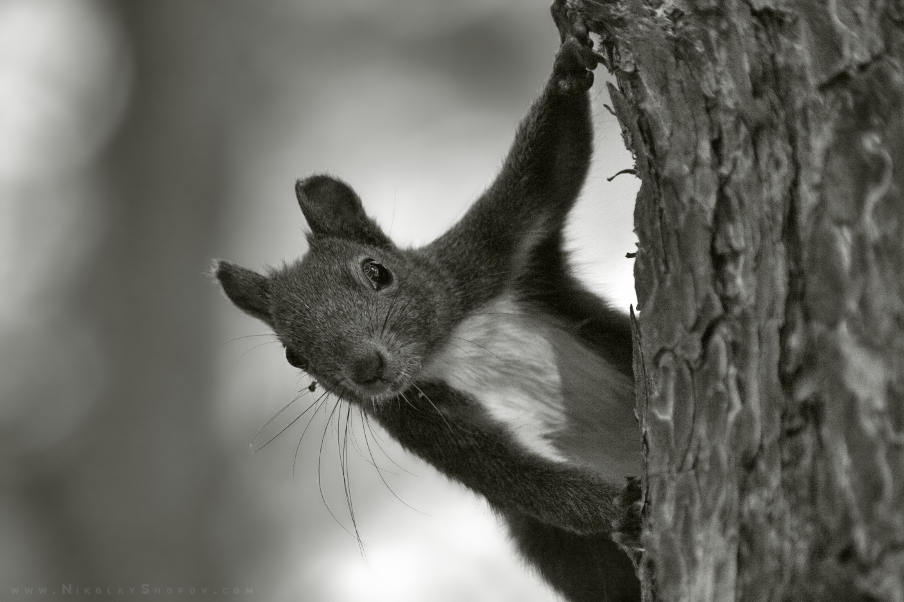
pixel 366 367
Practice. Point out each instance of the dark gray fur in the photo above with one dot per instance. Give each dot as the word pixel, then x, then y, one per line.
pixel 323 310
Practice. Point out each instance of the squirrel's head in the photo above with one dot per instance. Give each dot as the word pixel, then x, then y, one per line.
pixel 356 313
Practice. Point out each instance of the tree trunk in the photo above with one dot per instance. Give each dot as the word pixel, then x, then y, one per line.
pixel 771 292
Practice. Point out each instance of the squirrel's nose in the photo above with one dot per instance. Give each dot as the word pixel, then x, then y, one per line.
pixel 367 367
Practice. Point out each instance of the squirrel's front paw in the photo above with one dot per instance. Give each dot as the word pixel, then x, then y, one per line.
pixel 573 66
pixel 626 531
pixel 576 58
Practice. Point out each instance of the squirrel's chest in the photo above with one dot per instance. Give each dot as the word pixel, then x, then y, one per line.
pixel 554 395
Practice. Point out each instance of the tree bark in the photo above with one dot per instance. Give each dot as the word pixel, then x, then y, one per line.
pixel 770 286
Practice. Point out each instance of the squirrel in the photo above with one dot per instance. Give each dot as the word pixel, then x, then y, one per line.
pixel 480 352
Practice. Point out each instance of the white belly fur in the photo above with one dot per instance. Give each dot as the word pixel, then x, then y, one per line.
pixel 556 397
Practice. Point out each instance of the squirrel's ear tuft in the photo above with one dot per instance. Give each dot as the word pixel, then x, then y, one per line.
pixel 249 290
pixel 334 210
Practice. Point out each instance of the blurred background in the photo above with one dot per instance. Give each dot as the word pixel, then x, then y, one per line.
pixel 139 139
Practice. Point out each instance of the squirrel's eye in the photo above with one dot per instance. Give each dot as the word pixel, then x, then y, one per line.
pixel 296 360
pixel 378 274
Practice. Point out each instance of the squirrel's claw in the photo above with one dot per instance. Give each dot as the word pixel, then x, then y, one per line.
pixel 568 24
pixel 626 531
pixel 576 58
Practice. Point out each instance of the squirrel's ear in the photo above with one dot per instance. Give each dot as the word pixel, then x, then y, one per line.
pixel 249 290
pixel 334 210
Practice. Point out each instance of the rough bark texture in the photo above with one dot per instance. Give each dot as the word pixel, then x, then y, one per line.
pixel 770 281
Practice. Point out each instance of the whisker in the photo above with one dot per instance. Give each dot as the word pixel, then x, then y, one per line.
pixel 480 346
pixel 416 409
pixel 346 478
pixel 320 401
pixel 377 438
pixel 418 273
pixel 430 401
pixel 252 349
pixel 365 426
pixel 392 303
pixel 320 471
pixel 283 429
pixel 275 416
pixel 379 470
pixel 248 336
